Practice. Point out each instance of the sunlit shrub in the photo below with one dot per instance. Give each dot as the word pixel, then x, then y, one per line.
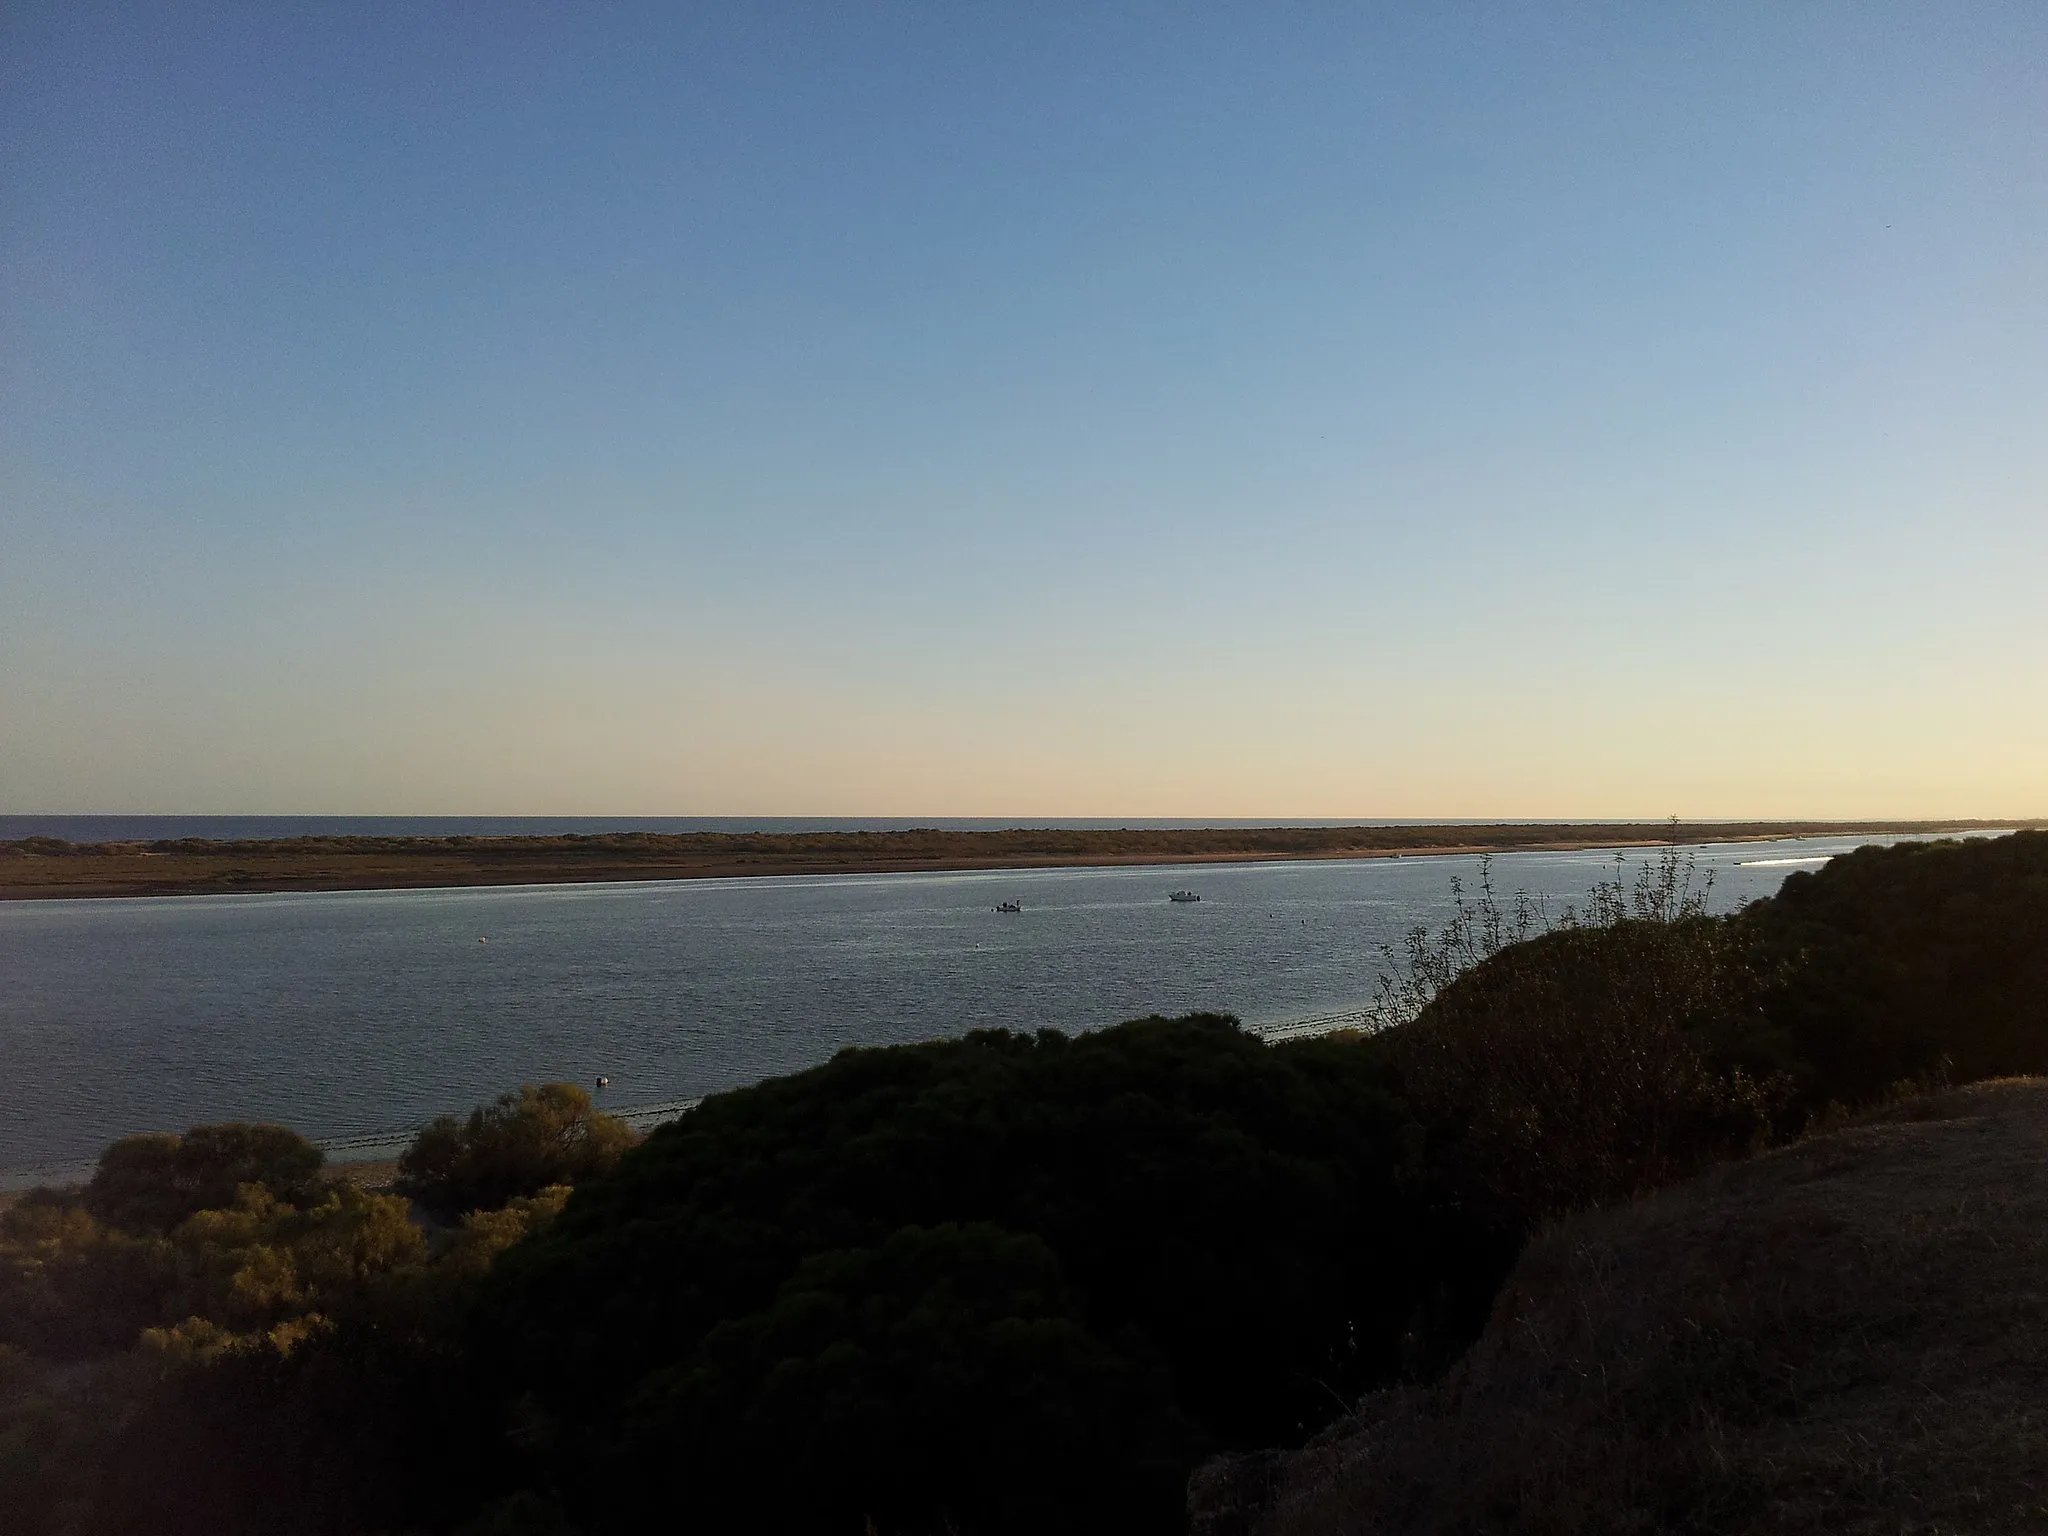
pixel 519 1145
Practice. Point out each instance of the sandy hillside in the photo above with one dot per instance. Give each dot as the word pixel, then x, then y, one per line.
pixel 1850 1334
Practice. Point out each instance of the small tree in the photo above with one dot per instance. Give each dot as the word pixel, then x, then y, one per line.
pixel 516 1146
pixel 150 1183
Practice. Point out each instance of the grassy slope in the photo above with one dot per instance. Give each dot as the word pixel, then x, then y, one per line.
pixel 1848 1335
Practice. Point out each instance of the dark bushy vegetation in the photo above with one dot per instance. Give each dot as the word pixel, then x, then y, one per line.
pixel 153 1182
pixel 944 1369
pixel 1907 963
pixel 1584 1065
pixel 1635 1040
pixel 210 1338
pixel 1553 1063
pixel 526 1141
pixel 1010 1282
pixel 1208 1231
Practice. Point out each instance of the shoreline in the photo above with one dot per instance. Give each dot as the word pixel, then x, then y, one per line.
pixel 37 869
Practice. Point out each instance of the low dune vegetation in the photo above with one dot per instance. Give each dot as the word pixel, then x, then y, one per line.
pixel 43 867
pixel 1011 1282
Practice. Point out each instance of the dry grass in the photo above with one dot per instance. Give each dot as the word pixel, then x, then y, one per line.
pixel 1846 1335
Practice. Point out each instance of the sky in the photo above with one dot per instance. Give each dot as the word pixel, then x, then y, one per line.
pixel 1087 410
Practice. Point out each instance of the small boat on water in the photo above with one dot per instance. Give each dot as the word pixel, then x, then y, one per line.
pixel 1008 906
pixel 1183 896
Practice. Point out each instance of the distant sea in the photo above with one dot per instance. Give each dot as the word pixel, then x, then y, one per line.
pixel 108 829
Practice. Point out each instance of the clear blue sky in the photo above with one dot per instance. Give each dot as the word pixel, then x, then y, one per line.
pixel 1045 410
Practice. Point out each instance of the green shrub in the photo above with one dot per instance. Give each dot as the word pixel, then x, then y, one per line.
pixel 150 1183
pixel 517 1146
pixel 71 1286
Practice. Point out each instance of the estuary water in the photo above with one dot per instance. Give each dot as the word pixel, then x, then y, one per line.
pixel 355 1016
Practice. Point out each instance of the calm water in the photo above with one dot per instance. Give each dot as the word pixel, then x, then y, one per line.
pixel 355 1013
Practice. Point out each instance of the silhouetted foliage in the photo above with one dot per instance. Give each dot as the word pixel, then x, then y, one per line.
pixel 1222 1212
pixel 1905 963
pixel 518 1145
pixel 942 1379
pixel 1581 1066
